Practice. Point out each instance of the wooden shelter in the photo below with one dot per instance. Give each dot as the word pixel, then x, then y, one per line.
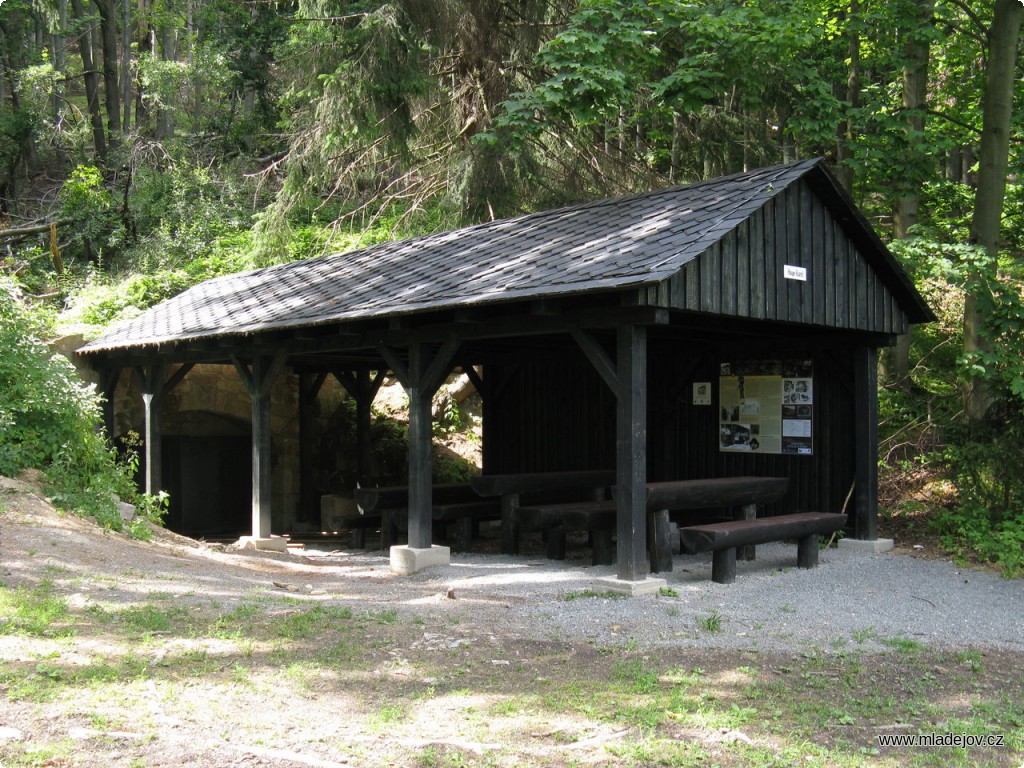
pixel 631 333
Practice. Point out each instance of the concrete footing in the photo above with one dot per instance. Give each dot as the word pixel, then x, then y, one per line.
pixel 648 586
pixel 873 546
pixel 271 544
pixel 406 560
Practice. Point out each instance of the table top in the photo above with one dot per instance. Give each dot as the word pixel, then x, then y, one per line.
pixel 715 492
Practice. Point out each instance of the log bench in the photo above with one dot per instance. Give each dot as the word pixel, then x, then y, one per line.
pixel 723 539
pixel 595 517
pixel 538 487
pixel 464 518
pixel 453 503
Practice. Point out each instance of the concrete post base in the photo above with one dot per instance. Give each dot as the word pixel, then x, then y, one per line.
pixel 271 544
pixel 874 546
pixel 406 560
pixel 648 586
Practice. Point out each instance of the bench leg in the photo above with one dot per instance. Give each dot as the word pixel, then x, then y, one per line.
pixel 659 545
pixel 604 547
pixel 509 525
pixel 358 538
pixel 807 551
pixel 748 512
pixel 723 565
pixel 388 531
pixel 556 543
pixel 462 536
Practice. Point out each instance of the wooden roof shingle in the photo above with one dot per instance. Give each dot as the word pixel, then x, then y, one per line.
pixel 608 245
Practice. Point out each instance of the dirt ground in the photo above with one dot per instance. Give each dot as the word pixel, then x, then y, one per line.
pixel 116 652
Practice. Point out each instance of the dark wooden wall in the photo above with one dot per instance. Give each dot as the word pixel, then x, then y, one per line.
pixel 742 274
pixel 555 414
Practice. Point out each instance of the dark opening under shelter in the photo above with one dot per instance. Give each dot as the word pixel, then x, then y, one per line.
pixel 725 328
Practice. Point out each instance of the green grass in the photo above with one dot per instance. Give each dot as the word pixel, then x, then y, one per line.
pixel 36 612
pixel 585 593
pixel 710 623
pixel 305 624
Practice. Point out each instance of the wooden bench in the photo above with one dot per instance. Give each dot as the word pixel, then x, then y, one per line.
pixel 540 487
pixel 454 503
pixel 723 539
pixel 595 517
pixel 464 518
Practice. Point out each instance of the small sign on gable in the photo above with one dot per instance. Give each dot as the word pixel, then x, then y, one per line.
pixel 792 272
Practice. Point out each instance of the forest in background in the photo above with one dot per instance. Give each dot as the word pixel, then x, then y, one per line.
pixel 146 145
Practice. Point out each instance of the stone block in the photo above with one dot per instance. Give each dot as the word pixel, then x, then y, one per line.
pixel 648 586
pixel 271 544
pixel 407 560
pixel 871 547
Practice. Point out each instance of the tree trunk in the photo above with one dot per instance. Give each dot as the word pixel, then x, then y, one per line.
pixel 846 128
pixel 126 66
pixel 993 155
pixel 915 94
pixel 168 37
pixel 60 50
pixel 111 87
pixel 92 83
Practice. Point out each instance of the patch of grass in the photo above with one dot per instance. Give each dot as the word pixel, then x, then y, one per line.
pixel 49 753
pixel 668 592
pixel 711 623
pixel 35 612
pixel 901 644
pixel 389 616
pixel 388 714
pixel 653 751
pixel 584 593
pixel 150 619
pixel 305 624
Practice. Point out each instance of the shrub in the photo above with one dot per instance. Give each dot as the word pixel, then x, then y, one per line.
pixel 48 420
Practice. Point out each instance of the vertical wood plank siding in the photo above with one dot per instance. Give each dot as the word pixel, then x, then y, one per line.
pixel 741 275
pixel 556 416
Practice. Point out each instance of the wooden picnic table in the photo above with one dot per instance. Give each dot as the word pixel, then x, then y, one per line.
pixel 742 494
pixel 593 483
pixel 453 504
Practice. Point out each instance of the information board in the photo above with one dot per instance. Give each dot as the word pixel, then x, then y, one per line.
pixel 766 406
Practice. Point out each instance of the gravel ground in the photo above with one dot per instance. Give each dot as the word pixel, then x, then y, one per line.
pixel 852 598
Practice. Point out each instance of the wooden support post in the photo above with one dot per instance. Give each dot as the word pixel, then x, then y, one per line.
pixel 155 384
pixel 421 375
pixel 152 380
pixel 363 388
pixel 631 453
pixel 420 453
pixel 627 378
pixel 865 393
pixel 309 499
pixel 259 380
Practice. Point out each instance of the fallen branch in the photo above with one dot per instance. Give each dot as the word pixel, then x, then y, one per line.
pixel 32 229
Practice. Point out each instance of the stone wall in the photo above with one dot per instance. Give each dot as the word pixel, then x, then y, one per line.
pixel 212 399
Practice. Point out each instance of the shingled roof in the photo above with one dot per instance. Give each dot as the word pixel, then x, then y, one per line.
pixel 612 244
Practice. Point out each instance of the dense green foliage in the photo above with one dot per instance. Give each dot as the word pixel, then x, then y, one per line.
pixel 48 419
pixel 171 143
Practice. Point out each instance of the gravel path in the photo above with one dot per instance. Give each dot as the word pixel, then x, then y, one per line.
pixel 851 600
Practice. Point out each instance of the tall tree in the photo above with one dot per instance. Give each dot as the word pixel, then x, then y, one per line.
pixel 91 76
pixel 109 13
pixel 993 155
pixel 917 55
